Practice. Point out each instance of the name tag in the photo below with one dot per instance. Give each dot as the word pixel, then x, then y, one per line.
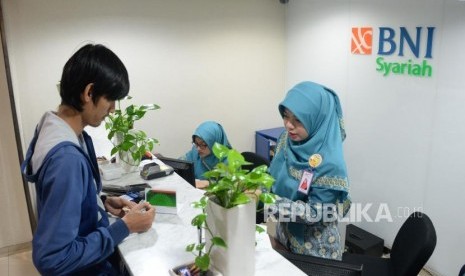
pixel 305 182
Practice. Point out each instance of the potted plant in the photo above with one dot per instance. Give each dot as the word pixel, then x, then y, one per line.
pixel 228 212
pixel 129 144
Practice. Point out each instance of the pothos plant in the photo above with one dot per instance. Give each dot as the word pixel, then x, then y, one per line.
pixel 120 125
pixel 230 186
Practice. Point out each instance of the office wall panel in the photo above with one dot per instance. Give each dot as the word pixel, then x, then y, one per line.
pixel 15 228
pixel 405 133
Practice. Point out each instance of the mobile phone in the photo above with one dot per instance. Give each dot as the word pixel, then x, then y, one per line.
pixel 138 187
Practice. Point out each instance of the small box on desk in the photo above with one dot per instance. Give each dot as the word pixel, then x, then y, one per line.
pixel 153 170
pixel 359 241
pixel 164 201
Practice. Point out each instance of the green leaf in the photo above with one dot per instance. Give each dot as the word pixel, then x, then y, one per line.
pixel 235 160
pixel 150 144
pixel 267 198
pixel 149 107
pixel 136 157
pixel 221 186
pixel 200 247
pixel 212 174
pixel 138 114
pixel 114 151
pixel 222 168
pixel 129 137
pixel 130 109
pixel 142 150
pixel 219 242
pixel 259 229
pixel 126 145
pixel 190 247
pixel 267 181
pixel 196 205
pixel 202 203
pixel 199 220
pixel 203 262
pixel 240 199
pixel 260 169
pixel 220 151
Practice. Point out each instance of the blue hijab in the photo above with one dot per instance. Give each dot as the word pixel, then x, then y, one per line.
pixel 319 110
pixel 210 132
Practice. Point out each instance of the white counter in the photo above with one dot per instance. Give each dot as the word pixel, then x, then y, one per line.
pixel 161 248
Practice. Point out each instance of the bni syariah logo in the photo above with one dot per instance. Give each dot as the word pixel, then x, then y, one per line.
pixel 410 46
pixel 362 40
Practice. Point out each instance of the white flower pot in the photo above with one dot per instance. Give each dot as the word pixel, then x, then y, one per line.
pixel 125 158
pixel 129 168
pixel 237 228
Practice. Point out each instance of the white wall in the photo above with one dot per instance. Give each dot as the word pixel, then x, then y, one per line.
pixel 198 59
pixel 405 135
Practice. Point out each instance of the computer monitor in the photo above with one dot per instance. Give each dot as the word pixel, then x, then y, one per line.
pixel 183 168
pixel 322 267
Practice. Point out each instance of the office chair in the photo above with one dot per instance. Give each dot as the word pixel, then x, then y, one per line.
pixel 413 246
pixel 255 159
pixel 462 271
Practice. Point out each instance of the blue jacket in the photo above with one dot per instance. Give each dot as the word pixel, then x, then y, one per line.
pixel 73 235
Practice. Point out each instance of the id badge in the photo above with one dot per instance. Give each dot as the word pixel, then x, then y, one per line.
pixel 305 182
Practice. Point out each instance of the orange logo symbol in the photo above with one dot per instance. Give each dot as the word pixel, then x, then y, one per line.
pixel 362 39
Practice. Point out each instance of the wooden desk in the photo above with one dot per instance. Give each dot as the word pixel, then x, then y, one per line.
pixel 161 248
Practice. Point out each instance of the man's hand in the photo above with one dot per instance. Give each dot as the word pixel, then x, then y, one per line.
pixel 140 217
pixel 114 205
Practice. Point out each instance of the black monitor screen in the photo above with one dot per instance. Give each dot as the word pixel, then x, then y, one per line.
pixel 183 168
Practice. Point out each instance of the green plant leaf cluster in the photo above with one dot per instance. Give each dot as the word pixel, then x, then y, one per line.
pixel 230 185
pixel 124 137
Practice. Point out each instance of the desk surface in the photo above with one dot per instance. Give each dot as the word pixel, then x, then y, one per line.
pixel 161 248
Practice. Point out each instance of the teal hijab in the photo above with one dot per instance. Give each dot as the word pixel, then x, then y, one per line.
pixel 210 132
pixel 320 112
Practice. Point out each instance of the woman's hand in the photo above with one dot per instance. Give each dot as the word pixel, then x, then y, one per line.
pixel 201 184
pixel 116 205
pixel 254 195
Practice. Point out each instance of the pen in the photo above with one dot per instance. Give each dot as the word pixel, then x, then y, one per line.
pixel 143 210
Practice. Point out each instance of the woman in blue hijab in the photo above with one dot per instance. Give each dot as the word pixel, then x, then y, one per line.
pixel 205 136
pixel 310 172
